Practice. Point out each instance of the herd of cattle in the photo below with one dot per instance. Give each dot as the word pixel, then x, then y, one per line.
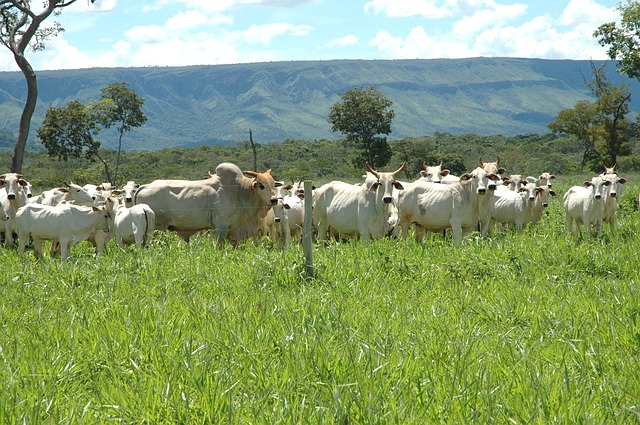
pixel 237 205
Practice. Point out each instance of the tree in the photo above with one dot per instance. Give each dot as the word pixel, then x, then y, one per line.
pixel 601 125
pixel 361 116
pixel 68 132
pixel 623 39
pixel 20 30
pixel 119 106
pixel 579 122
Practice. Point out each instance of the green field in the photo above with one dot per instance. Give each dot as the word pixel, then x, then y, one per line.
pixel 537 327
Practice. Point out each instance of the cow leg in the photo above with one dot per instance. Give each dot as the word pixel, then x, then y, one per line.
pixel 456 231
pixel 37 247
pixel 64 249
pixel 22 238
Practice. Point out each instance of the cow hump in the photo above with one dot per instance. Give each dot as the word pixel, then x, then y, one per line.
pixel 229 173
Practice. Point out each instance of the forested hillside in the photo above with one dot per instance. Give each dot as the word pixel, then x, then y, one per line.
pixel 196 105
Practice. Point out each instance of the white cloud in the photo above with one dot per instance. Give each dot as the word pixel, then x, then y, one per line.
pixel 581 12
pixel 407 8
pixel 192 19
pixel 265 33
pixel 347 40
pixel 419 44
pixel 494 14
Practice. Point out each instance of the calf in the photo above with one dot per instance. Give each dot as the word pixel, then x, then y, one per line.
pixel 65 223
pixel 131 225
pixel 69 193
pixel 511 206
pixel 585 205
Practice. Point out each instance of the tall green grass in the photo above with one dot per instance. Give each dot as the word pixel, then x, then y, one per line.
pixel 532 327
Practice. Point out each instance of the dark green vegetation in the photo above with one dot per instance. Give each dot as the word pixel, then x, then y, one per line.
pixel 323 160
pixel 536 327
pixel 190 106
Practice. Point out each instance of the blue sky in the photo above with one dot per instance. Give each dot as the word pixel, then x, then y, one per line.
pixel 125 33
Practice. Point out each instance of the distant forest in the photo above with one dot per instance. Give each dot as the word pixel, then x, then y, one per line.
pixel 323 160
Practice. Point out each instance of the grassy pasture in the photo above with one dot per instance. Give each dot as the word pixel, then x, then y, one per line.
pixel 537 327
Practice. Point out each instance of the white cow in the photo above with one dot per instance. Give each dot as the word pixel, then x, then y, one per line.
pixel 65 223
pixel 355 210
pixel 540 203
pixel 585 205
pixel 228 202
pixel 70 193
pixel 511 207
pixel 131 225
pixel 12 197
pixel 288 219
pixel 128 190
pixel 514 182
pixel 435 207
pixel 612 196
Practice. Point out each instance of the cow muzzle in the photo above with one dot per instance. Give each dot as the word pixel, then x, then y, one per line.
pixel 274 201
pixel 277 219
pixel 387 199
pixel 11 196
pixel 482 191
pixel 492 187
pixel 545 205
pixel 598 196
pixel 614 194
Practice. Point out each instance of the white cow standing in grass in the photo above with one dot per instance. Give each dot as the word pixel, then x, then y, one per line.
pixel 65 223
pixel 356 210
pixel 135 224
pixel 585 205
pixel 614 193
pixel 12 197
pixel 435 207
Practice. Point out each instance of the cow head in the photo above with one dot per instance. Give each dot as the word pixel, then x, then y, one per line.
pixel 129 189
pixel 545 179
pixel 596 184
pixel 12 182
pixel 481 180
pixel 433 173
pixel 492 167
pixel 543 195
pixel 616 187
pixel 387 181
pixel 265 185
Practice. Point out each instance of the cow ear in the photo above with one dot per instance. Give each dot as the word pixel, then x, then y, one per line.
pixel 552 193
pixel 22 182
pixel 286 206
pixel 398 185
pixel 607 183
pixel 466 176
pixel 445 172
pixel 622 181
pixel 288 187
pixel 423 173
pixel 374 186
pixel 587 184
pixel 94 208
pixel 494 177
pixel 63 189
pixel 502 170
pixel 552 177
pixel 278 184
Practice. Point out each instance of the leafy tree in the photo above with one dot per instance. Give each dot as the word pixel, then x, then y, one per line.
pixel 362 115
pixel 579 122
pixel 623 38
pixel 20 29
pixel 68 132
pixel 601 125
pixel 119 106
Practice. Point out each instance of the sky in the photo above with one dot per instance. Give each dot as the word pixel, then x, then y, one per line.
pixel 141 33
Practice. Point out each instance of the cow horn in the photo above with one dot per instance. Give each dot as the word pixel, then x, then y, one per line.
pixel 425 166
pixel 400 169
pixel 497 160
pixel 251 173
pixel 441 164
pixel 372 171
pixel 481 163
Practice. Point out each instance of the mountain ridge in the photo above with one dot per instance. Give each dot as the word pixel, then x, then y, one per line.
pixel 218 104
